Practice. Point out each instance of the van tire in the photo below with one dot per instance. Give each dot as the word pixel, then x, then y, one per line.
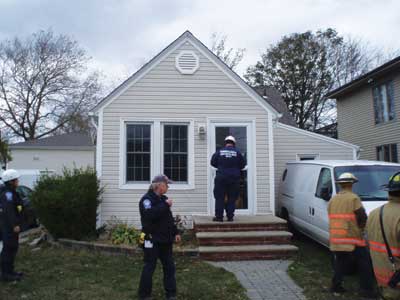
pixel 285 216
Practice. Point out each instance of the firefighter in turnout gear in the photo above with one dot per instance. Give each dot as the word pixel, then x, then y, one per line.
pixel 229 162
pixel 160 232
pixel 347 220
pixel 386 263
pixel 10 218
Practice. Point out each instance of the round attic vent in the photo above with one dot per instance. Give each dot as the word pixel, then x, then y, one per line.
pixel 187 62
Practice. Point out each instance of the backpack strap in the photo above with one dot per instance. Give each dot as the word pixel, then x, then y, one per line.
pixel 389 251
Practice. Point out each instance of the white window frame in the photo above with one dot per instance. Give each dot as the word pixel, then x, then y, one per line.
pixel 307 155
pixel 157 154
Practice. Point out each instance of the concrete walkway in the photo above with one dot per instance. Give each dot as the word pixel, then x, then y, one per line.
pixel 264 280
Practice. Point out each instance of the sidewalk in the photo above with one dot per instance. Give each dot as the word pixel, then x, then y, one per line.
pixel 264 280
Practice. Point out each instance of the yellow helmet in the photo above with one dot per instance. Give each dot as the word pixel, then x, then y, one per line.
pixel 347 178
pixel 394 183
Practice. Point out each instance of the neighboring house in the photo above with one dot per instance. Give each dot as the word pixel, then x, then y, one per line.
pixel 171 115
pixel 368 110
pixel 54 153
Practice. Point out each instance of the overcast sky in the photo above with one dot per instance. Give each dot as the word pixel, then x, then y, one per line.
pixel 121 35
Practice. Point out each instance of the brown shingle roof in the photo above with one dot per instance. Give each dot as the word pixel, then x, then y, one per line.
pixel 77 141
pixel 273 97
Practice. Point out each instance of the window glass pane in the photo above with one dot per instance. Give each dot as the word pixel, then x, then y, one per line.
pixel 386 151
pixel 324 187
pixel 138 148
pixel 377 106
pixel 384 103
pixel 390 95
pixel 176 152
pixel 395 157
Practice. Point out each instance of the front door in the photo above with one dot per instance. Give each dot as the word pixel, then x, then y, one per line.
pixel 242 134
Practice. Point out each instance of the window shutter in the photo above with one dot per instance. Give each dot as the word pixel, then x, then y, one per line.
pixel 390 95
pixel 376 104
pixel 395 157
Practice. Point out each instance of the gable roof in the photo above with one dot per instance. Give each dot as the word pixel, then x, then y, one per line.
pixel 366 78
pixel 273 97
pixel 69 141
pixel 187 36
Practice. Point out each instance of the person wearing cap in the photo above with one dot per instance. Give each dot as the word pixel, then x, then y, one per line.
pixel 385 267
pixel 229 162
pixel 347 220
pixel 11 218
pixel 160 233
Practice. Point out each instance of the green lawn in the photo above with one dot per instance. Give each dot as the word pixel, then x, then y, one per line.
pixel 55 273
pixel 312 270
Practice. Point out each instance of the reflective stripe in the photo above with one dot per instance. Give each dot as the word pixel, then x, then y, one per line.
pixel 380 247
pixel 383 277
pixel 339 231
pixel 343 216
pixel 348 241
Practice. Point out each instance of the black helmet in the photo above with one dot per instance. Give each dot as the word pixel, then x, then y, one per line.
pixel 394 183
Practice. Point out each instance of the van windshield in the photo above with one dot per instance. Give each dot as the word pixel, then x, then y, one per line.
pixel 370 180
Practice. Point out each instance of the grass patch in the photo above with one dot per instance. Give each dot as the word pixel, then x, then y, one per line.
pixel 312 270
pixel 56 273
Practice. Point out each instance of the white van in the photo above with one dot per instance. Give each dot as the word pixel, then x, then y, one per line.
pixel 307 186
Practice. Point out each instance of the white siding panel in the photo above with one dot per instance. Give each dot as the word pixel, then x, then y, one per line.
pixel 51 159
pixel 288 144
pixel 165 93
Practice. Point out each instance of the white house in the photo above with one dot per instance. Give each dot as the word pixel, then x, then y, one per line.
pixel 171 115
pixel 54 153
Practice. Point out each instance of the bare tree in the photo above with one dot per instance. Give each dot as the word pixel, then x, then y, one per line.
pixel 5 155
pixel 305 66
pixel 229 56
pixel 44 84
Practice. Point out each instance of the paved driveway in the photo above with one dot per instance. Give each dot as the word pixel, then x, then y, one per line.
pixel 264 280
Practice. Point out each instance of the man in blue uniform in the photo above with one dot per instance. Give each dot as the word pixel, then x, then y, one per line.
pixel 160 233
pixel 10 218
pixel 229 162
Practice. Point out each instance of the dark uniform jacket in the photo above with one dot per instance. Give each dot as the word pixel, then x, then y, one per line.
pixel 229 162
pixel 156 218
pixel 10 210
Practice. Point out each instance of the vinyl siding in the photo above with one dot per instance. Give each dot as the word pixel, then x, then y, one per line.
pixel 356 120
pixel 56 160
pixel 165 93
pixel 288 143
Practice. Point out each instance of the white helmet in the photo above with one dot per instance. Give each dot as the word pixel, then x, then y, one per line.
pixel 9 175
pixel 230 138
pixel 347 178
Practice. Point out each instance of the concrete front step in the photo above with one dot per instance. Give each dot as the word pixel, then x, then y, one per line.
pixel 240 223
pixel 247 252
pixel 243 238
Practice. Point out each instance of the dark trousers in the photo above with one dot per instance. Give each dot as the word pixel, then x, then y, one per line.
pixel 162 251
pixel 226 186
pixel 341 259
pixel 9 252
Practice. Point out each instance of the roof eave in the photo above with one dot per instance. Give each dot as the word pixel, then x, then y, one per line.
pixel 362 80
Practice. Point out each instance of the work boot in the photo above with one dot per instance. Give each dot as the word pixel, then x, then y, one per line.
pixel 216 219
pixel 368 294
pixel 337 289
pixel 230 219
pixel 19 274
pixel 10 278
